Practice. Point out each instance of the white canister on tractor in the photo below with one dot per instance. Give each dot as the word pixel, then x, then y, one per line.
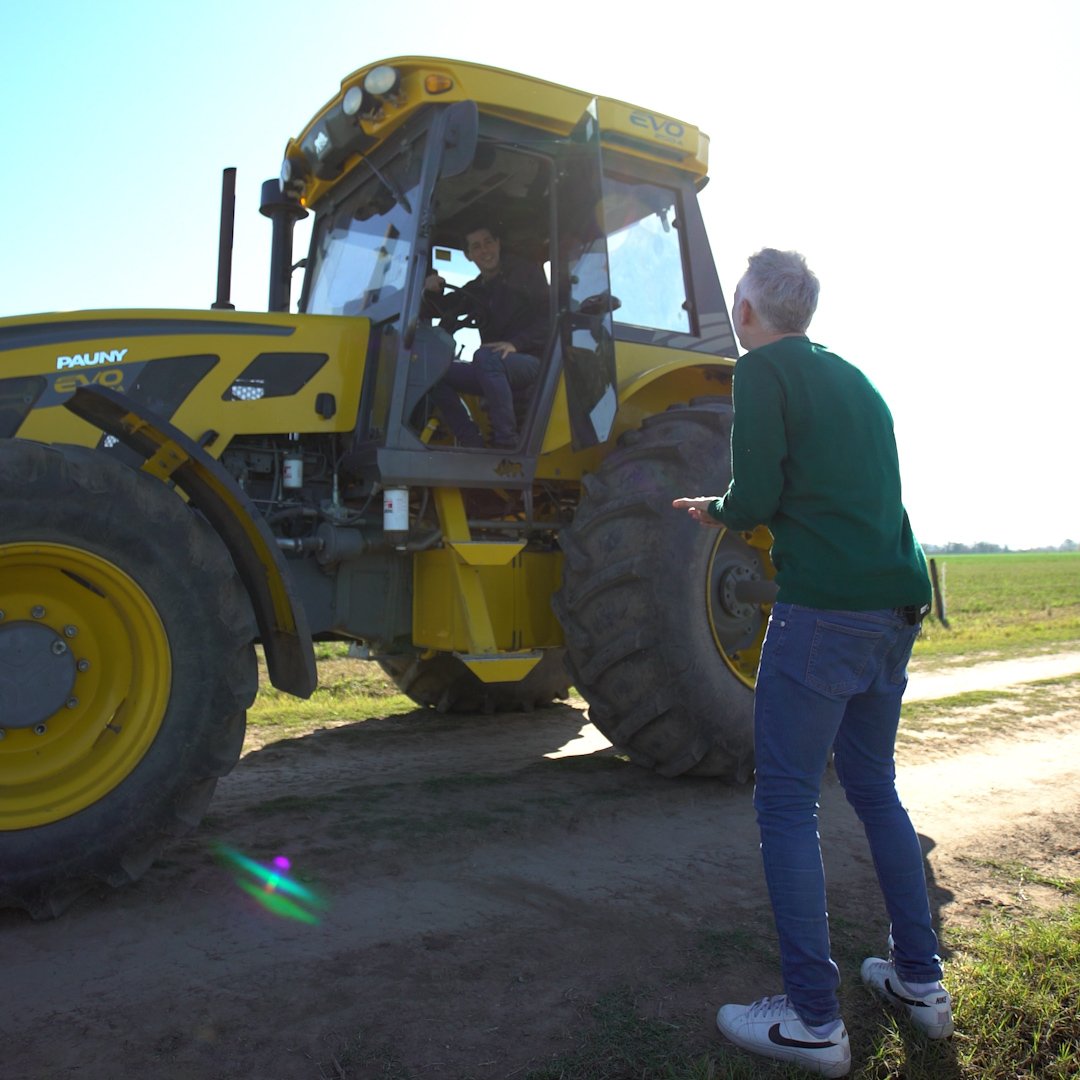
pixel 396 516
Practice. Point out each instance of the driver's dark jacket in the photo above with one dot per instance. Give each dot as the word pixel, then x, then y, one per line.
pixel 511 306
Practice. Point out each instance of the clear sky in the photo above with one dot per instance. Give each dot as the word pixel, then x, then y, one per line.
pixel 923 156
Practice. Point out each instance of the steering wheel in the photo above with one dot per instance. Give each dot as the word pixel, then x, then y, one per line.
pixel 476 312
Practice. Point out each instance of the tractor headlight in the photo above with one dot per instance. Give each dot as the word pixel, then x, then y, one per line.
pixel 294 177
pixel 354 98
pixel 382 80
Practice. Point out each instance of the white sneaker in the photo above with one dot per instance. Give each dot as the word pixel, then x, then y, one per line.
pixel 772 1028
pixel 931 1011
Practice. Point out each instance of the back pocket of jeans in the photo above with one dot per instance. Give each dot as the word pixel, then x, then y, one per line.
pixel 838 655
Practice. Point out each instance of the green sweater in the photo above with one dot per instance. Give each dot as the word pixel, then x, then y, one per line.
pixel 813 457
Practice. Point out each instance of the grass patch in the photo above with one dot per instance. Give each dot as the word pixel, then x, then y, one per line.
pixel 1016 992
pixel 618 1043
pixel 331 650
pixel 1022 874
pixel 349 690
pixel 720 945
pixel 1007 604
pixel 378 1062
pixel 985 711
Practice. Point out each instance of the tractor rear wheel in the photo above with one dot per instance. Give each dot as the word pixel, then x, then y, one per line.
pixel 445 683
pixel 657 642
pixel 126 667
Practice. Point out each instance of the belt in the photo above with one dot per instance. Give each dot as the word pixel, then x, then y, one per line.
pixel 913 614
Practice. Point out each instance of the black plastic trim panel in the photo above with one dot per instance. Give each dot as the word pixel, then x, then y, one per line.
pixel 30 335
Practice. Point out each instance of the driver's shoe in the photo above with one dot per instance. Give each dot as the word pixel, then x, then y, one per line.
pixel 773 1029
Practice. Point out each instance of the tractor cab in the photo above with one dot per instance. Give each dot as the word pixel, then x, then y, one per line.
pixel 601 199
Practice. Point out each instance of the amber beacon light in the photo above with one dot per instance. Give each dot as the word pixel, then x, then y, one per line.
pixel 438 84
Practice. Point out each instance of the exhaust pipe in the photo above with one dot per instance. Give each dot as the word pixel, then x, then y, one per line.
pixel 284 211
pixel 225 241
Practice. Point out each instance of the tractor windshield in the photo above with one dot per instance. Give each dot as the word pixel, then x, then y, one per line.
pixel 360 255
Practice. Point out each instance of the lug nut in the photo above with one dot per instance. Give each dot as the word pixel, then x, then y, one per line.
pixel 58 647
pixel 40 729
pixel 2 732
pixel 70 631
pixel 37 611
pixel 72 703
pixel 83 665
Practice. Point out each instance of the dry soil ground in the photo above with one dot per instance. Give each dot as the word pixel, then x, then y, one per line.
pixel 486 878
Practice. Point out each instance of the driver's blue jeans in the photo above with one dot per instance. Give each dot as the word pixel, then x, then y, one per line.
pixel 492 376
pixel 834 679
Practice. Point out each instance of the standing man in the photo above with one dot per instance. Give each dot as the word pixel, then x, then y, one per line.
pixel 813 457
pixel 510 302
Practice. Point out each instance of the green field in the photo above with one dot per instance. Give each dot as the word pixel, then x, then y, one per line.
pixel 1005 605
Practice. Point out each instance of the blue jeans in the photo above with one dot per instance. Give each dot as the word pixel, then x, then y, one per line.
pixel 499 379
pixel 834 679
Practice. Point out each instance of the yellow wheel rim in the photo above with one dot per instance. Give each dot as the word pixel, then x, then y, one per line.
pixel 738 630
pixel 121 675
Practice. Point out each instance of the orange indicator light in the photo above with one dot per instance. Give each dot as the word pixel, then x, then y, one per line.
pixel 438 84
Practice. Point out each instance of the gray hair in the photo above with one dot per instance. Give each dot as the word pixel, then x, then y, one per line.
pixel 782 289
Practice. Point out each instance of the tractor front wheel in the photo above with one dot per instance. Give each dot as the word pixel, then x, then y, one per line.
pixel 126 667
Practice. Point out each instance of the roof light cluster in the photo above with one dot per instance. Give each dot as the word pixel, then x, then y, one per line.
pixel 339 134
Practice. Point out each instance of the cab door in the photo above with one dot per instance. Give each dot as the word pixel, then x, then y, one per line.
pixel 585 302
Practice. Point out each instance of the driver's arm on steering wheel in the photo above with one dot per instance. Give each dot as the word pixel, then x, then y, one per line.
pixel 450 307
pixel 433 305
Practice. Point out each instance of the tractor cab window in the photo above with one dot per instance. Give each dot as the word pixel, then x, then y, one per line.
pixel 645 255
pixel 361 249
pixel 507 192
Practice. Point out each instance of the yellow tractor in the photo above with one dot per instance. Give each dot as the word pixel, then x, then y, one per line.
pixel 176 486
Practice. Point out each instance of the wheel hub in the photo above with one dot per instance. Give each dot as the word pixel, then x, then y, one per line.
pixel 737 598
pixel 37 673
pixel 729 582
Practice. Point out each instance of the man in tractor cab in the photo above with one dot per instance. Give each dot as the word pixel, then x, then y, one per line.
pixel 509 304
pixel 814 458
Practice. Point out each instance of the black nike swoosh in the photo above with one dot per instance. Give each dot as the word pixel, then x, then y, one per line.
pixel 906 1001
pixel 779 1040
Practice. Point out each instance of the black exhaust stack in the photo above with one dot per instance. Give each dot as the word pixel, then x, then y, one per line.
pixel 284 211
pixel 225 241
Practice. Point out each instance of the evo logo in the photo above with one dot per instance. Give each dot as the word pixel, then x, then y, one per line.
pixel 670 131
pixel 110 356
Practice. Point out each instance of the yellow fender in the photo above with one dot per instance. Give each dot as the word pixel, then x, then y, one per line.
pixel 170 455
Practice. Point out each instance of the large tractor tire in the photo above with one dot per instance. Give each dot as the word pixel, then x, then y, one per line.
pixel 126 667
pixel 446 684
pixel 657 643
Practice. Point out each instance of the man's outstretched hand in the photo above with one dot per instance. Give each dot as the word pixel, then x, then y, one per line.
pixel 698 509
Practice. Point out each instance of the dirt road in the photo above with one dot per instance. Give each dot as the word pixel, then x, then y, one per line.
pixel 485 878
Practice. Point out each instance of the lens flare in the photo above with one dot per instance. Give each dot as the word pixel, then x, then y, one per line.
pixel 272 887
